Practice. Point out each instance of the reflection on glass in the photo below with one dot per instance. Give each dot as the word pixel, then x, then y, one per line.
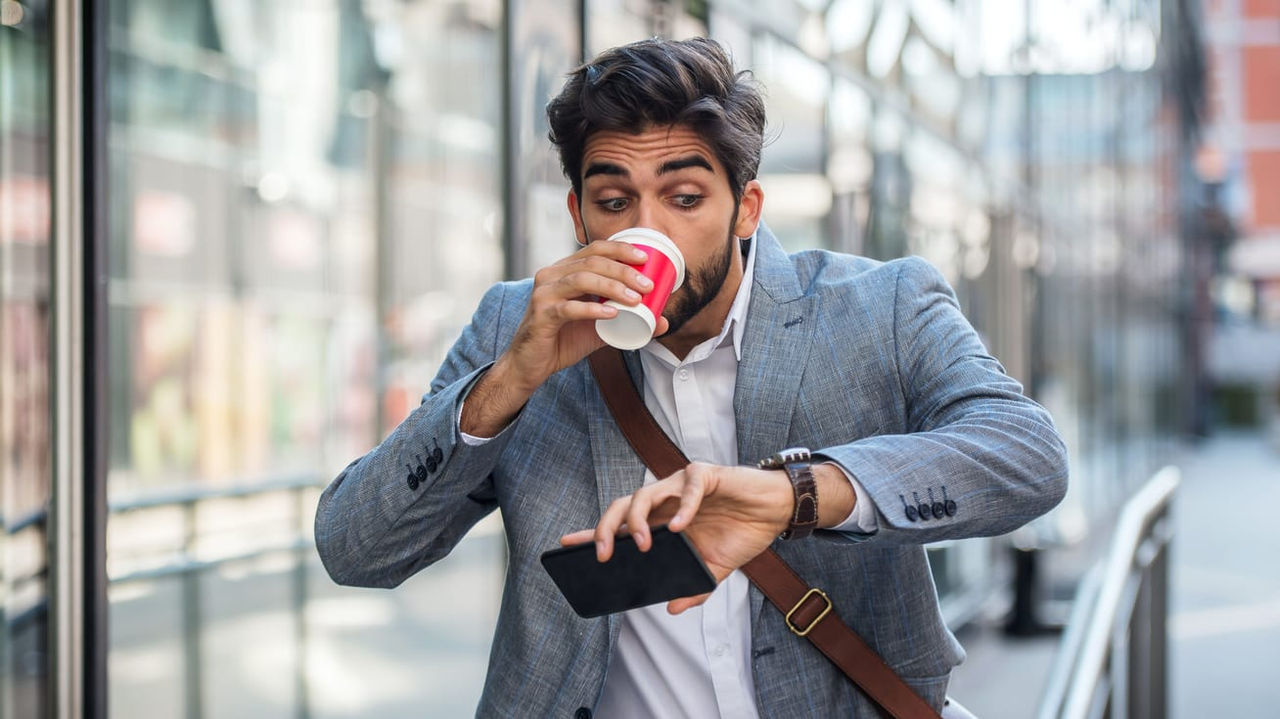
pixel 849 164
pixel 793 166
pixel 306 203
pixel 616 22
pixel 545 48
pixel 26 452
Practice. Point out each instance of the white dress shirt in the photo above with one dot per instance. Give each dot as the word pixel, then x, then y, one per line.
pixel 698 663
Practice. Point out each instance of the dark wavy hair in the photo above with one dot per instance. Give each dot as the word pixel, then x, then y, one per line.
pixel 660 82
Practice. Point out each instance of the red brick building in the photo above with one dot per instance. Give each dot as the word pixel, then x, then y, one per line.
pixel 1243 131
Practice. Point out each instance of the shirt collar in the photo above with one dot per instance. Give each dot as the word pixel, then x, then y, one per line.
pixel 734 323
pixel 742 301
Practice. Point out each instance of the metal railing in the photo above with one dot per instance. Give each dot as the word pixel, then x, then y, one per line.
pixel 188 569
pixel 1113 658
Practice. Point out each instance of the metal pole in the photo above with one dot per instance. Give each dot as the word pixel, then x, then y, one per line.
pixel 67 501
pixel 384 263
pixel 94 184
pixel 1158 693
pixel 514 251
pixel 299 580
pixel 191 612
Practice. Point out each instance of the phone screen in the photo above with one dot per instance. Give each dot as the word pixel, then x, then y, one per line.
pixel 669 570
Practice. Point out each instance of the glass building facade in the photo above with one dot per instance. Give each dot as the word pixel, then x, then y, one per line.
pixel 26 393
pixel 303 200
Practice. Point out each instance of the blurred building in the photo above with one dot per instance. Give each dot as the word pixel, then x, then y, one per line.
pixel 238 236
pixel 1238 246
pixel 1242 139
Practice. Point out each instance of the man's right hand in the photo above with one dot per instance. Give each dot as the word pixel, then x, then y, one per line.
pixel 557 330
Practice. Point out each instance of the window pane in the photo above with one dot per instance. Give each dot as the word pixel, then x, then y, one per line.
pixel 793 167
pixel 306 206
pixel 26 472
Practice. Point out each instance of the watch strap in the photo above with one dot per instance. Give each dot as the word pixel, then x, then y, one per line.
pixel 798 465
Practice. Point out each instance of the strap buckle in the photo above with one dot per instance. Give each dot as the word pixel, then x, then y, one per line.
pixel 821 615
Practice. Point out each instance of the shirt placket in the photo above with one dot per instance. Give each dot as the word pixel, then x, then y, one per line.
pixel 724 655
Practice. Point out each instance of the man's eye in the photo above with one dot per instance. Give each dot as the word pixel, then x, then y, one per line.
pixel 688 200
pixel 614 204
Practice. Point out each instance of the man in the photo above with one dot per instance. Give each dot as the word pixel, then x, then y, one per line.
pixel 917 434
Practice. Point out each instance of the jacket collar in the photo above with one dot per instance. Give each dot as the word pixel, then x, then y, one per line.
pixel 779 332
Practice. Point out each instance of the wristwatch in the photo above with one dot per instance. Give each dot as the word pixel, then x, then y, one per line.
pixel 797 463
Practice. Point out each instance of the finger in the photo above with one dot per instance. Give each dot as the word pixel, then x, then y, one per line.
pixel 616 268
pixel 642 504
pixel 691 494
pixel 661 327
pixel 620 269
pixel 586 282
pixel 676 606
pixel 620 251
pixel 582 536
pixel 608 526
pixel 573 310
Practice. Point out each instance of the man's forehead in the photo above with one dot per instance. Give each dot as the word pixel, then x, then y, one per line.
pixel 650 145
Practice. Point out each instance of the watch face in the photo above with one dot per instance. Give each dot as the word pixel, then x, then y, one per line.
pixel 795 454
pixel 785 457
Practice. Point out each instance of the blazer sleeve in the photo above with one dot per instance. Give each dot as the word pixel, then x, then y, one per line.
pixel 978 458
pixel 375 527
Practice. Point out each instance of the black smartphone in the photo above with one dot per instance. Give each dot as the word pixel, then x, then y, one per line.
pixel 669 570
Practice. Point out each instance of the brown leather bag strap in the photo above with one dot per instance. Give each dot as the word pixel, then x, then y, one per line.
pixel 806 610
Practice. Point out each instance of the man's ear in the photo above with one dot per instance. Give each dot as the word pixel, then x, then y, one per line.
pixel 750 205
pixel 575 211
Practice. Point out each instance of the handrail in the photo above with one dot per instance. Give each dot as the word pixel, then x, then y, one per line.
pixel 185 493
pixel 1098 666
pixel 187 569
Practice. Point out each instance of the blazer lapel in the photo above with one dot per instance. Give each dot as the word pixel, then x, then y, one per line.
pixel 775 348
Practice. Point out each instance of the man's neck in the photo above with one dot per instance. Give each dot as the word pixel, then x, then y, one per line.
pixel 707 323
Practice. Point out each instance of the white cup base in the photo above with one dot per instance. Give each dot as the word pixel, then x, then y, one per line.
pixel 630 329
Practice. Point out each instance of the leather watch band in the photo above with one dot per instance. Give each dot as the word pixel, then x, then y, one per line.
pixel 807 611
pixel 796 462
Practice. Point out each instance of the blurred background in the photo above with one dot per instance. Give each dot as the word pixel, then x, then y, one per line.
pixel 238 236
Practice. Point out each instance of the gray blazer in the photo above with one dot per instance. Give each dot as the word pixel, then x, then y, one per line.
pixel 870 364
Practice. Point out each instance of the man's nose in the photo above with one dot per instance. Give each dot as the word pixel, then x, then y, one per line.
pixel 649 215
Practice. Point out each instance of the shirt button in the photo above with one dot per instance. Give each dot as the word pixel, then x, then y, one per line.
pixel 684 374
pixel 720 651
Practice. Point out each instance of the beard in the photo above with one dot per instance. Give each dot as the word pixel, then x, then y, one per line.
pixel 700 287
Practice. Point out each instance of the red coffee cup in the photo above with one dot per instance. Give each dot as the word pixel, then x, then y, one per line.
pixel 633 326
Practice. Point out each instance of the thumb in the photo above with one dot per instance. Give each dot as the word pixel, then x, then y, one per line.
pixel 677 606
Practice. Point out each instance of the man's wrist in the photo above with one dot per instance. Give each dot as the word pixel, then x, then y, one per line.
pixel 836 498
pixel 493 402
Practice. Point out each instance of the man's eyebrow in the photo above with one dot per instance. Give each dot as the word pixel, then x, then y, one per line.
pixel 684 163
pixel 605 168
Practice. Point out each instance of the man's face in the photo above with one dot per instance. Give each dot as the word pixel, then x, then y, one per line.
pixel 668 179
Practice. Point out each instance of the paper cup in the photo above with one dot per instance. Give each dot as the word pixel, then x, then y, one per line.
pixel 633 326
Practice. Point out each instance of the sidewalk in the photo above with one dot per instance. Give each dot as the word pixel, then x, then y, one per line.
pixel 1224 624
pixel 1224 631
